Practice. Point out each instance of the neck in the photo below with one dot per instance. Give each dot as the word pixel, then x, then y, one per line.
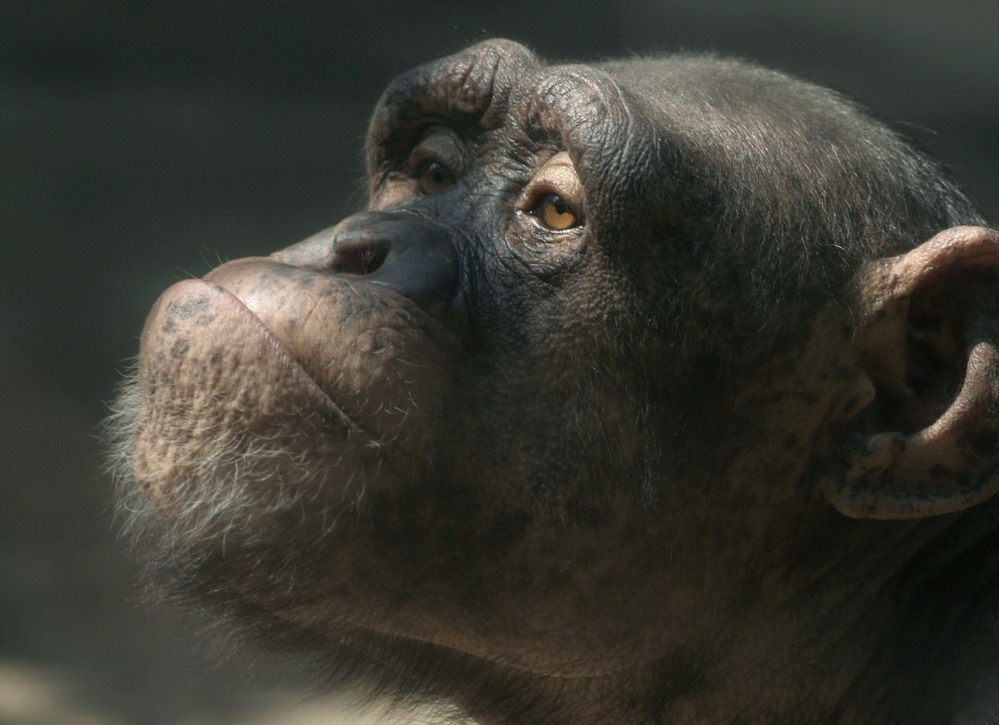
pixel 842 645
pixel 772 673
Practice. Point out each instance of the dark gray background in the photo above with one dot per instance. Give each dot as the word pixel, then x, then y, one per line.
pixel 140 142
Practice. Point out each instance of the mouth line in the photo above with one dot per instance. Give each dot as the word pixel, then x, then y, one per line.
pixel 333 411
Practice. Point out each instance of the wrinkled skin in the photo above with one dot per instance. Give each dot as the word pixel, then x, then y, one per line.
pixel 587 459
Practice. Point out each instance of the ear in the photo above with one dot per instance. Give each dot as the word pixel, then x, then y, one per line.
pixel 927 442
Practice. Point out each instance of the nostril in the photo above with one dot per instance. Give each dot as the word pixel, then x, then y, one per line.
pixel 408 254
pixel 360 257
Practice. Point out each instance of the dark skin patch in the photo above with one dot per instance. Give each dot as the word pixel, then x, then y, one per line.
pixel 179 347
pixel 188 308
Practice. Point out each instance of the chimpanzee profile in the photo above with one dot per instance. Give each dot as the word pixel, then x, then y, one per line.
pixel 651 391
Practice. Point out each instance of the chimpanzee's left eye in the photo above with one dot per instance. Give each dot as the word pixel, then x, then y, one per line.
pixel 555 213
pixel 433 176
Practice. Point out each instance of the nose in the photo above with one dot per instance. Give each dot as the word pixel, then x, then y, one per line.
pixel 414 256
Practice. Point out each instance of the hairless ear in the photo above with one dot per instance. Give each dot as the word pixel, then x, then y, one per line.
pixel 927 443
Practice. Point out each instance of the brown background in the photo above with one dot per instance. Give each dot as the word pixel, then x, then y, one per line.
pixel 140 142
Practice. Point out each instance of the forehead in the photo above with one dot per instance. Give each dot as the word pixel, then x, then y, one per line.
pixel 498 81
pixel 475 83
pixel 501 85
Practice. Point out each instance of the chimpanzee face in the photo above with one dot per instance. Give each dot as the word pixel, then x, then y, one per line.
pixel 586 363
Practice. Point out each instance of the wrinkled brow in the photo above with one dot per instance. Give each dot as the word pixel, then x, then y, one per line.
pixel 604 128
pixel 472 85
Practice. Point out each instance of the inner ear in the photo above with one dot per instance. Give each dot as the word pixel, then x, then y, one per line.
pixel 936 345
pixel 928 443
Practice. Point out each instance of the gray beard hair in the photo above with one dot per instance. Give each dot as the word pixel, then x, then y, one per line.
pixel 243 488
pixel 247 489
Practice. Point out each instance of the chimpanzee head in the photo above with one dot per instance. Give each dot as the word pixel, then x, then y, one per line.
pixel 585 392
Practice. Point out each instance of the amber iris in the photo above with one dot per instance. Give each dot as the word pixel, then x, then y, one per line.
pixel 433 177
pixel 555 213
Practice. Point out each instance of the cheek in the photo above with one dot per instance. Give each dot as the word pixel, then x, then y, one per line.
pixel 546 453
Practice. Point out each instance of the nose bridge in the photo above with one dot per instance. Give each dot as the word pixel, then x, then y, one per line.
pixel 401 250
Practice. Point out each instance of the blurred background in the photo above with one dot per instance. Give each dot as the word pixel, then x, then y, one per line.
pixel 140 142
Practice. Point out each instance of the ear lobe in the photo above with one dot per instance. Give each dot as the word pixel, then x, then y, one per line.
pixel 928 442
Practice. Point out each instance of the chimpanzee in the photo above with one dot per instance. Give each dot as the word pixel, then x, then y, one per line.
pixel 653 391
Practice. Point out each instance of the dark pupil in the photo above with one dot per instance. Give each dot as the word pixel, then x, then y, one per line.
pixel 559 204
pixel 437 173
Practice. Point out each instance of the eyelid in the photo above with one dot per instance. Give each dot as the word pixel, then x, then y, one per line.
pixel 557 176
pixel 440 144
